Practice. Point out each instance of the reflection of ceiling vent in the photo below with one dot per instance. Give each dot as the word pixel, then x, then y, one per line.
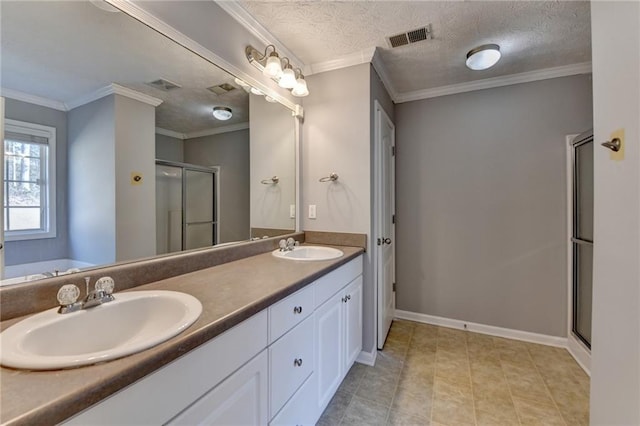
pixel 163 84
pixel 409 37
pixel 221 89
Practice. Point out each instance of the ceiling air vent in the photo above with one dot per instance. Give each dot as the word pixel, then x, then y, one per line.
pixel 410 37
pixel 163 84
pixel 221 89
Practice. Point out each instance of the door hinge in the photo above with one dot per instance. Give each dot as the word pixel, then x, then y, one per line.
pixel 394 286
pixel 393 151
pixel 393 219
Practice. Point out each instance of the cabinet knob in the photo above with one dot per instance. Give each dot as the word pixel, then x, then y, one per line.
pixel 297 309
pixel 297 362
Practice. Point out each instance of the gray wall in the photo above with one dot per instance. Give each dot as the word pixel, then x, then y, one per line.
pixel 92 220
pixel 230 151
pixel 481 203
pixel 169 148
pixel 18 252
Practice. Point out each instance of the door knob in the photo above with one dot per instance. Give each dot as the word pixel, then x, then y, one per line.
pixel 386 241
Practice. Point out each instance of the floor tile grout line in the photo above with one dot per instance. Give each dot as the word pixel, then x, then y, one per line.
pixel 504 374
pixel 395 391
pixel 473 400
pixel 555 404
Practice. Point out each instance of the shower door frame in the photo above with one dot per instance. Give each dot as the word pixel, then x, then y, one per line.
pixel 574 142
pixel 215 171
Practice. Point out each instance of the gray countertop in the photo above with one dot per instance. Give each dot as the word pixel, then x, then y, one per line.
pixel 229 293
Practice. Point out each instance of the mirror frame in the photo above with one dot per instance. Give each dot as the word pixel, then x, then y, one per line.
pixel 189 44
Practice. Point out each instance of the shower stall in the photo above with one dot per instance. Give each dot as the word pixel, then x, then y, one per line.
pixel 582 236
pixel 186 206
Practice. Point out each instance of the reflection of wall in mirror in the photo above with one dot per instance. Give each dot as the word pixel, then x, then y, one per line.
pixel 110 219
pixel 230 152
pixel 272 154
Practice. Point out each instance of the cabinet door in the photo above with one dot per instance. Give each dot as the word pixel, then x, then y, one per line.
pixel 329 325
pixel 240 400
pixel 353 322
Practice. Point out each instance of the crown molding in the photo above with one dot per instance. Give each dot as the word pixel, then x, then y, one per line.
pixel 32 99
pixel 113 89
pixel 245 19
pixel 505 80
pixel 217 130
pixel 170 133
pixel 364 56
pixel 381 69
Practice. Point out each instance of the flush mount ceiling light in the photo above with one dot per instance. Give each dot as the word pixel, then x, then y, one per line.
pixel 222 113
pixel 271 65
pixel 483 57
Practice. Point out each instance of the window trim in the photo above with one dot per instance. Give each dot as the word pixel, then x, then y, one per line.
pixel 50 209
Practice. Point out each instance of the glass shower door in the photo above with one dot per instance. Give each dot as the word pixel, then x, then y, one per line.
pixel 168 209
pixel 582 238
pixel 199 224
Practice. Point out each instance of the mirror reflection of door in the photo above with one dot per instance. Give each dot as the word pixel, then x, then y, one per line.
pixel 2 190
pixel 582 237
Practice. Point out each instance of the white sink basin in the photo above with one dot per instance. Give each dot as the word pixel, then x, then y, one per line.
pixel 131 323
pixel 309 253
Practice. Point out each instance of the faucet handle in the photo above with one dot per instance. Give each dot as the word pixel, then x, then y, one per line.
pixel 105 284
pixel 282 244
pixel 68 294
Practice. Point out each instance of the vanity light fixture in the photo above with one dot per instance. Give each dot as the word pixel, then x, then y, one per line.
pixel 278 69
pixel 483 57
pixel 222 113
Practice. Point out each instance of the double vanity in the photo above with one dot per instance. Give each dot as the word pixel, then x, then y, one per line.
pixel 273 342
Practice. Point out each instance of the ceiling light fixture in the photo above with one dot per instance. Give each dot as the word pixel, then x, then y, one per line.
pixel 222 113
pixel 483 57
pixel 271 65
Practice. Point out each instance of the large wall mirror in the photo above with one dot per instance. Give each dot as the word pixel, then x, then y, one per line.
pixel 120 144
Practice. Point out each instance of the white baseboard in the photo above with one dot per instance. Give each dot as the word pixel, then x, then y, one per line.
pixel 367 358
pixel 508 333
pixel 580 353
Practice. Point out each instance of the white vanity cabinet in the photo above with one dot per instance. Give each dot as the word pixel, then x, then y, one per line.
pixel 338 324
pixel 279 367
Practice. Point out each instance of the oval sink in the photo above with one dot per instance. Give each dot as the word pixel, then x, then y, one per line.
pixel 131 323
pixel 309 253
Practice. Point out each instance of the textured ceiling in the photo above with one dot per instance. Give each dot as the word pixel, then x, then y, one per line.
pixel 66 50
pixel 532 35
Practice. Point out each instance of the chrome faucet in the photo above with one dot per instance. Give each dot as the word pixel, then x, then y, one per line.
pixel 69 293
pixel 288 245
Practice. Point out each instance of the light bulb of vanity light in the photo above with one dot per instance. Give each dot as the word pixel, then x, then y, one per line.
pixel 222 113
pixel 300 88
pixel 483 57
pixel 288 78
pixel 273 67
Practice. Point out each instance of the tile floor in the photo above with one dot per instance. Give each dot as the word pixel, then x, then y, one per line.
pixel 429 375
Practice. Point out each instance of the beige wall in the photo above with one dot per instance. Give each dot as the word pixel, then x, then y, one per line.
pixel 481 203
pixel 615 355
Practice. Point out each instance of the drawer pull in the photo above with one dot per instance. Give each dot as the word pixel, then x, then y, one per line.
pixel 297 309
pixel 297 362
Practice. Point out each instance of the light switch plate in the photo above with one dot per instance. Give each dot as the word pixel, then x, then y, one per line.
pixel 292 211
pixel 312 211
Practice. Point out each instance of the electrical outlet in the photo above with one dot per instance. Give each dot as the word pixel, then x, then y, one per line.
pixel 292 211
pixel 312 211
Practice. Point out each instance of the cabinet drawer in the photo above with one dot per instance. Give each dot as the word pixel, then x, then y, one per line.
pixel 284 315
pixel 291 362
pixel 330 284
pixel 301 408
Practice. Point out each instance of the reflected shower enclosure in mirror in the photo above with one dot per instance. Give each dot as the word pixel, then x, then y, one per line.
pixel 127 109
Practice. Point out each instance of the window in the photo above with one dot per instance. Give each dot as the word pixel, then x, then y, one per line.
pixel 29 181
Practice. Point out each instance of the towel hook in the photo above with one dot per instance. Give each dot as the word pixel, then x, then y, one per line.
pixel 271 181
pixel 331 178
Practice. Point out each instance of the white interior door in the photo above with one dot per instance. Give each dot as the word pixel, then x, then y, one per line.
pixel 385 210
